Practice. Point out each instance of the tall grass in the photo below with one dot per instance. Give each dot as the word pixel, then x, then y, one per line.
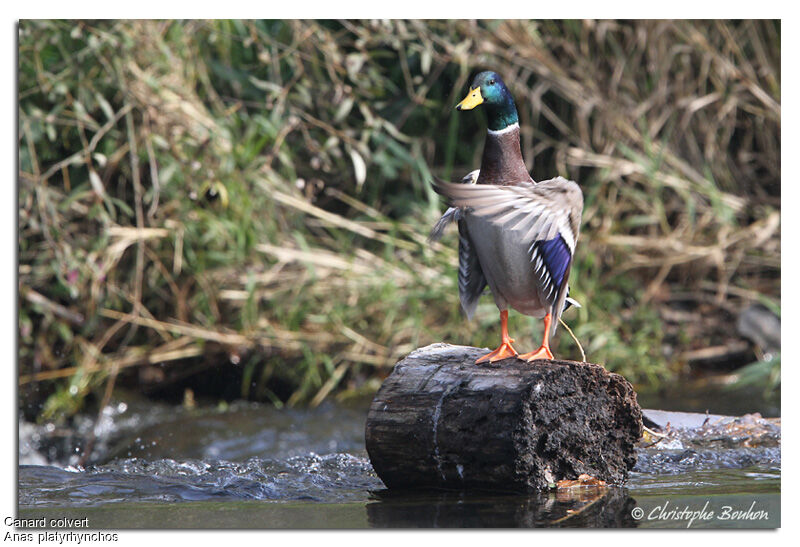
pixel 257 192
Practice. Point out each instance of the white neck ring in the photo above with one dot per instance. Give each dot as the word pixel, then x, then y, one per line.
pixel 505 129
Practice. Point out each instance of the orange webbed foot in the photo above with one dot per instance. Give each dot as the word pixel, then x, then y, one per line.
pixel 505 351
pixel 541 353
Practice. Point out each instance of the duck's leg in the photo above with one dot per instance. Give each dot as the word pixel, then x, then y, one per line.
pixel 544 351
pixel 505 350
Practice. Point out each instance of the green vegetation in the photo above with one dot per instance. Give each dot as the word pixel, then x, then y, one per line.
pixel 256 193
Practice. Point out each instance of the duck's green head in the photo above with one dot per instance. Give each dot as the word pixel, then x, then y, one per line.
pixel 488 89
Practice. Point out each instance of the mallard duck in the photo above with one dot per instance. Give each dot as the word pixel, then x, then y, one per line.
pixel 516 235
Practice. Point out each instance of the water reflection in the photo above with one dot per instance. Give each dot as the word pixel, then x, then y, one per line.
pixel 581 508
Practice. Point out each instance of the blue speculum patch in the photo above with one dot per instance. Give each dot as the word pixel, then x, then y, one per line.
pixel 556 256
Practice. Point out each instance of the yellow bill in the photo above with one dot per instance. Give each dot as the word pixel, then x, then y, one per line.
pixel 473 99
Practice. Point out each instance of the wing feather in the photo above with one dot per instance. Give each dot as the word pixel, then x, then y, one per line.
pixel 471 280
pixel 538 211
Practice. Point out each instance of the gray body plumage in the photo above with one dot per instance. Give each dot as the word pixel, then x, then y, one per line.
pixel 506 263
pixel 498 230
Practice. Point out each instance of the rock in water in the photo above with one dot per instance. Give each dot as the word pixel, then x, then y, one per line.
pixel 440 420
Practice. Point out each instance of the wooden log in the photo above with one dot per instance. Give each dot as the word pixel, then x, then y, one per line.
pixel 439 420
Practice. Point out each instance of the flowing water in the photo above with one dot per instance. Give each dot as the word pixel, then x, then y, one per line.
pixel 253 466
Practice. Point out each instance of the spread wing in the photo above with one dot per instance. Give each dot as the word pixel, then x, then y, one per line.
pixel 537 211
pixel 453 214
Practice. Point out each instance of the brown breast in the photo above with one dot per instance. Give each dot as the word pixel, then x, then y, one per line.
pixel 502 161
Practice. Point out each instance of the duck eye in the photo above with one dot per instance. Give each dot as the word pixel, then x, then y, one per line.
pixel 491 82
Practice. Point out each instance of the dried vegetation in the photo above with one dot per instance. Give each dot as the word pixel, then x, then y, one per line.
pixel 197 197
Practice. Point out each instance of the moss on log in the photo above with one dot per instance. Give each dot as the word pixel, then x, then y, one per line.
pixel 441 421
